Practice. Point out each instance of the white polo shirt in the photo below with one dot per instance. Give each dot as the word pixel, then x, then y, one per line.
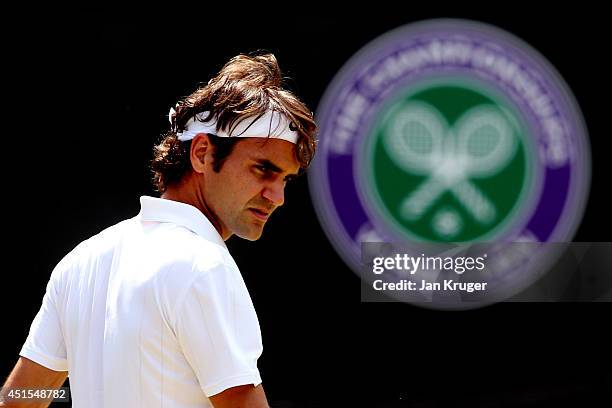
pixel 151 312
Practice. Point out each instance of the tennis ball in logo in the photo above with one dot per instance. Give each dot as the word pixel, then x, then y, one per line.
pixel 448 163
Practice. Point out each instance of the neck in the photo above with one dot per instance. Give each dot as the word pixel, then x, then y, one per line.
pixel 195 198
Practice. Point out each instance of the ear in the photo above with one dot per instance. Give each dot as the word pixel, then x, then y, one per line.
pixel 200 152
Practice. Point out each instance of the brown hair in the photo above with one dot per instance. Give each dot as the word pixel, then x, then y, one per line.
pixel 247 86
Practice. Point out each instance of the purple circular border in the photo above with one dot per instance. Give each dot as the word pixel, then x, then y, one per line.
pixel 326 185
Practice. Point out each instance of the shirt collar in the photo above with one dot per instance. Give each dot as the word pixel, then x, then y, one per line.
pixel 185 215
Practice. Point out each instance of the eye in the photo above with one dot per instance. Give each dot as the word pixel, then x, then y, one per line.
pixel 262 169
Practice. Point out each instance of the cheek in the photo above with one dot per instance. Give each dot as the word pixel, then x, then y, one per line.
pixel 245 183
pixel 247 188
pixel 238 188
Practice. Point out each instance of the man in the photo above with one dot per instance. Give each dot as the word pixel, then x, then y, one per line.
pixel 153 311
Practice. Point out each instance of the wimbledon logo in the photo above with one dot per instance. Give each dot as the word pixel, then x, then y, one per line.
pixel 448 131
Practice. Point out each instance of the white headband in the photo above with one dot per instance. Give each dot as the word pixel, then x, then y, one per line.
pixel 272 124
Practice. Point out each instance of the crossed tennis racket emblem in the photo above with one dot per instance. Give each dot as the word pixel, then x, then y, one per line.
pixel 420 141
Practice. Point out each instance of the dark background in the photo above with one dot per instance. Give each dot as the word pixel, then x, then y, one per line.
pixel 88 91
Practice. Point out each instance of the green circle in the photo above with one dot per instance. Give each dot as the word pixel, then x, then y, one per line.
pixel 392 184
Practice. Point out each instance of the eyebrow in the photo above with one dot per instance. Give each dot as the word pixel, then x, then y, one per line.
pixel 274 168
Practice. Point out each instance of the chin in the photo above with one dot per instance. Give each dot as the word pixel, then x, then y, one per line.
pixel 251 234
pixel 250 237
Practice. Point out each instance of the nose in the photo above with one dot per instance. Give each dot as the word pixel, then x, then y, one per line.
pixel 275 192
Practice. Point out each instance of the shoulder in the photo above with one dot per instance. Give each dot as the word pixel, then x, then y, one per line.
pixel 98 246
pixel 190 269
pixel 180 249
pixel 177 257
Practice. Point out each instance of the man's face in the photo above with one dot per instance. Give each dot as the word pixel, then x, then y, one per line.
pixel 250 185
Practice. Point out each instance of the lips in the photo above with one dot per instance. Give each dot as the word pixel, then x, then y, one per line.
pixel 260 214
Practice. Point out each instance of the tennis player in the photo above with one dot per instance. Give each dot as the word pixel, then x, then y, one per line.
pixel 153 311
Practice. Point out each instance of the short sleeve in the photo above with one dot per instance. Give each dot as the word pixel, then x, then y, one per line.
pixel 218 330
pixel 45 342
